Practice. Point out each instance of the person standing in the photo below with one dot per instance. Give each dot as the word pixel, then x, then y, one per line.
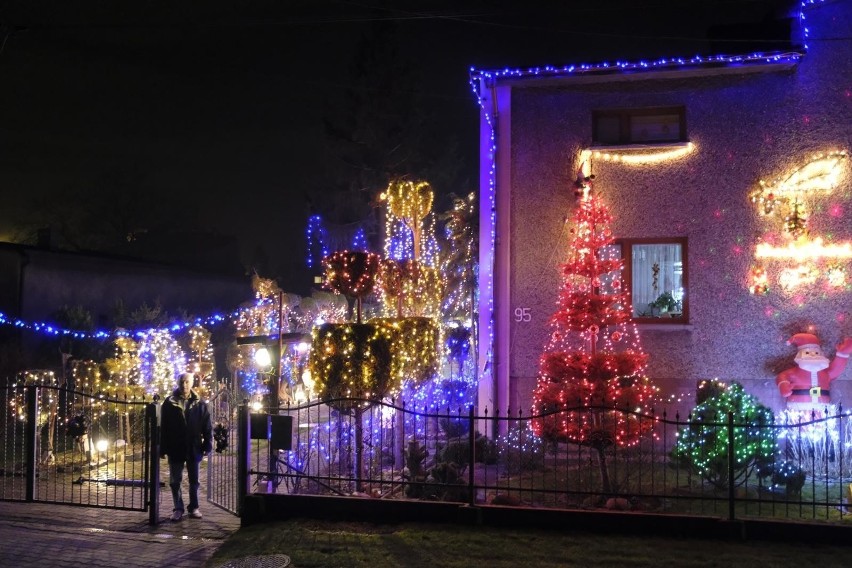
pixel 186 436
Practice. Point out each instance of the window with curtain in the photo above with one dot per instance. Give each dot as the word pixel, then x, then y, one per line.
pixel 655 273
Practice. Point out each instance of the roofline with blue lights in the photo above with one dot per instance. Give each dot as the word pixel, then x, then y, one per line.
pixel 709 64
pixel 720 64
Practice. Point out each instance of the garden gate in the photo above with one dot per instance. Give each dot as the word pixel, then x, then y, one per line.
pixel 73 447
pixel 223 477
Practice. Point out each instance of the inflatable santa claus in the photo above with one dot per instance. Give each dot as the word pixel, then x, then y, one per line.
pixel 807 386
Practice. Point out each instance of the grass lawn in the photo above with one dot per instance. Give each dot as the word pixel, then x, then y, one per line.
pixel 327 544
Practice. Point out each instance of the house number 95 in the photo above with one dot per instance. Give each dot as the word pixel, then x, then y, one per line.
pixel 523 314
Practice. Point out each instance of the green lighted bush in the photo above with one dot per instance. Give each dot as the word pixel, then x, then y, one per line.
pixel 702 447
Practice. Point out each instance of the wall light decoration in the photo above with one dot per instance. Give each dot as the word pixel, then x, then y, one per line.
pixel 639 155
pixel 807 257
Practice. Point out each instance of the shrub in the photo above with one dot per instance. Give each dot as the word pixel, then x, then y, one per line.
pixel 521 450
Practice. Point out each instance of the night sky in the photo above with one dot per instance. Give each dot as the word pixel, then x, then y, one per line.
pixel 208 116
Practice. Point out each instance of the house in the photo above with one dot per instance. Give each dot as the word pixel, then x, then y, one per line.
pixel 37 281
pixel 690 154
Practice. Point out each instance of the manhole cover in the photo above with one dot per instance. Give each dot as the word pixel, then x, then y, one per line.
pixel 266 561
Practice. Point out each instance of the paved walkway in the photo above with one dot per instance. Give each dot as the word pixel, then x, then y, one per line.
pixel 39 534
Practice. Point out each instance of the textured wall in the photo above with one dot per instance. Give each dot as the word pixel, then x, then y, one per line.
pixel 745 128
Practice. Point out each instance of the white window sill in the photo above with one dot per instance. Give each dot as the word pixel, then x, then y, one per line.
pixel 641 146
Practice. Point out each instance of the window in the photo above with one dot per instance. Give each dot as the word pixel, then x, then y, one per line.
pixel 639 126
pixel 655 274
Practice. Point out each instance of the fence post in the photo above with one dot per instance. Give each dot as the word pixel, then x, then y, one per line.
pixel 243 454
pixel 153 428
pixel 31 433
pixel 471 457
pixel 731 463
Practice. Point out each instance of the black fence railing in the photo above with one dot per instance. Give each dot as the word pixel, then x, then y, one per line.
pixel 587 458
pixel 78 448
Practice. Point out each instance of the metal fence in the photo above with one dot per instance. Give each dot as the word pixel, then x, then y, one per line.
pixel 71 447
pixel 728 465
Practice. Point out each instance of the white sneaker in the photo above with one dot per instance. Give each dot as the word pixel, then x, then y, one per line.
pixel 176 515
pixel 196 514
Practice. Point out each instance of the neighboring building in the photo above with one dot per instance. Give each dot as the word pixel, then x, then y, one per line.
pixel 678 148
pixel 36 281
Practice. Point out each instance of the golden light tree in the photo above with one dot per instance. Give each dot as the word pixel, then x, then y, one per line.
pixel 201 362
pixel 410 202
pixel 123 370
pixel 410 288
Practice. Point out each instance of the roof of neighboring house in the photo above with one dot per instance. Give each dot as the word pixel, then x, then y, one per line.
pixel 137 260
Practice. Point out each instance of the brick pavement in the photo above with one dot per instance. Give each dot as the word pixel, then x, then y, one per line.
pixel 40 534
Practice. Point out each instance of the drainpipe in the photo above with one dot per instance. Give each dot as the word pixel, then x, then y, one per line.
pixel 486 378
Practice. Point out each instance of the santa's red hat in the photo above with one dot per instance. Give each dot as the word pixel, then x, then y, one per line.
pixel 804 340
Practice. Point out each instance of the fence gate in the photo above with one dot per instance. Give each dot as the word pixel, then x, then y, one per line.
pixel 70 447
pixel 222 466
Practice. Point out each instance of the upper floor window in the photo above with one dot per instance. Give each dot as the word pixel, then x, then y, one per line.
pixel 655 274
pixel 639 125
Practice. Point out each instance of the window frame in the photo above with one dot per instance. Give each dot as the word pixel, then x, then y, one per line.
pixel 626 247
pixel 624 116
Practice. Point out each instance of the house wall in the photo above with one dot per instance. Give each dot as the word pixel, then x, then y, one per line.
pixel 745 128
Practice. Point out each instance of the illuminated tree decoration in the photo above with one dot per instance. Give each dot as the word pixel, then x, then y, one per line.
pixel 324 237
pixel 161 360
pixel 409 288
pixel 458 346
pixel 87 378
pixel 410 202
pixel 392 280
pixel 459 259
pixel 48 397
pixel 351 360
pixel 702 447
pixel 415 349
pixel 261 316
pixel 372 360
pixel 319 308
pixel 591 379
pixel 352 274
pixel 202 363
pixel 86 375
pixel 123 370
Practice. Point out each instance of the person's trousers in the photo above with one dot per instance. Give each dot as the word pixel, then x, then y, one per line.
pixel 175 479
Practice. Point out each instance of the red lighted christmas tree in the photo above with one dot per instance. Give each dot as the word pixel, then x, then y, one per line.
pixel 591 380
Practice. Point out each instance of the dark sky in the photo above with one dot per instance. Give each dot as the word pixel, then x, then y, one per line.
pixel 210 113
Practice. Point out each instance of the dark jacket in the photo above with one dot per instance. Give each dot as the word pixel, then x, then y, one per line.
pixel 185 434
